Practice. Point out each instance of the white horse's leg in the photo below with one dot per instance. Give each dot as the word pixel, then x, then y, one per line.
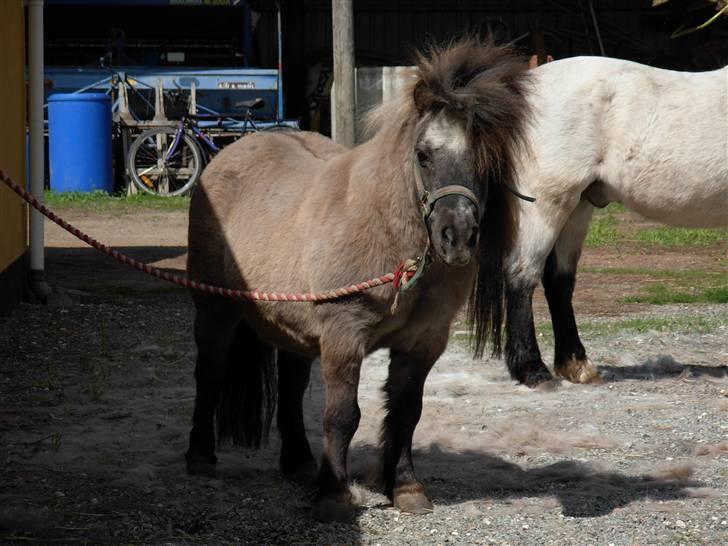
pixel 539 229
pixel 522 354
pixel 559 278
pixel 536 235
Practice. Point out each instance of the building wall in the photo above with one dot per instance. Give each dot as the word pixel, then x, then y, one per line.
pixel 387 32
pixel 13 213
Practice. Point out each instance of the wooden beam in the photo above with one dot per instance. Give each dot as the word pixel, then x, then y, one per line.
pixel 342 12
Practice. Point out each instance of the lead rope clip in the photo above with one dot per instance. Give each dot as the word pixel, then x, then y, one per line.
pixel 407 274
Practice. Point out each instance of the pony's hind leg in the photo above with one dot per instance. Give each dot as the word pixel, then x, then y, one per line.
pixel 235 375
pixel 294 372
pixel 214 334
pixel 403 394
pixel 559 278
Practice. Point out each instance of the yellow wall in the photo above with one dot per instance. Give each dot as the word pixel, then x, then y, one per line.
pixel 13 214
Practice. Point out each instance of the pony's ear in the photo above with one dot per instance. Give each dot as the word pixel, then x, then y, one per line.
pixel 421 96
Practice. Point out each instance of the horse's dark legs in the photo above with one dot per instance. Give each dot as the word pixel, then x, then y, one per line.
pixel 294 372
pixel 522 353
pixel 214 334
pixel 549 252
pixel 403 391
pixel 340 367
pixel 559 279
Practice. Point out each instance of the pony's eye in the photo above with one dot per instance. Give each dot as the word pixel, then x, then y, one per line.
pixel 423 158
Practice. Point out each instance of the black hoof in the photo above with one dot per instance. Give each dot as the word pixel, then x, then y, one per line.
pixel 536 376
pixel 335 509
pixel 201 465
pixel 302 473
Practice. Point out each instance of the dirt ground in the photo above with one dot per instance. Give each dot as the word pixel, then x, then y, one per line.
pixel 96 391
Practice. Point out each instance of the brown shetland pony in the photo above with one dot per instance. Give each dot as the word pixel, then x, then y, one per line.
pixel 296 212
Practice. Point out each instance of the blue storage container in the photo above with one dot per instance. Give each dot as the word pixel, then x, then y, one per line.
pixel 79 135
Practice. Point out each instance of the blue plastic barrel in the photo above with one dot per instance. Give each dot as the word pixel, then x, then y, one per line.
pixel 79 134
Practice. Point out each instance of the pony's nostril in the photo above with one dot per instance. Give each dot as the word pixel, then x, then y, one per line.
pixel 473 237
pixel 447 235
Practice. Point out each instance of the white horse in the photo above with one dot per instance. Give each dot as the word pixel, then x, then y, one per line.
pixel 606 130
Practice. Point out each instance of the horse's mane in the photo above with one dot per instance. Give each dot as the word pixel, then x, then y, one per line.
pixel 484 87
pixel 479 84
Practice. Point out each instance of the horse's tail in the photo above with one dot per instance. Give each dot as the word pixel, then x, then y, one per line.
pixel 486 310
pixel 247 401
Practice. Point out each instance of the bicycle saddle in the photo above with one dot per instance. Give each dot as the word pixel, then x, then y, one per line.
pixel 252 104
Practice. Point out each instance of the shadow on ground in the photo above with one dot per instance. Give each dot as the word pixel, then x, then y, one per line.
pixel 661 367
pixel 68 273
pixel 581 489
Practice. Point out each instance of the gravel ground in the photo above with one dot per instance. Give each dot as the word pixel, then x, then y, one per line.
pixel 96 408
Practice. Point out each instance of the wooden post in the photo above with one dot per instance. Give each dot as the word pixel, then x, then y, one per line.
pixel 342 12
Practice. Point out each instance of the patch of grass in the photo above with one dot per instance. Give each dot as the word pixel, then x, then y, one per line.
pixel 660 294
pixel 99 201
pixel 688 286
pixel 603 229
pixel 545 333
pixel 678 324
pixel 688 275
pixel 613 208
pixel 615 224
pixel 671 236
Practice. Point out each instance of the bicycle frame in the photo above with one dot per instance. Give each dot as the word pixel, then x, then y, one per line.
pixel 181 127
pixel 199 134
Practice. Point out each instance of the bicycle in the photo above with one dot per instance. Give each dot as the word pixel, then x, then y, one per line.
pixel 168 161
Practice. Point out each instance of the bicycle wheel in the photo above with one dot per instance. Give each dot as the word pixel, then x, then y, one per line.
pixel 155 170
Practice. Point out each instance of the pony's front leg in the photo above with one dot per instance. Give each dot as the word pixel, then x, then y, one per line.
pixel 522 354
pixel 403 391
pixel 537 232
pixel 340 366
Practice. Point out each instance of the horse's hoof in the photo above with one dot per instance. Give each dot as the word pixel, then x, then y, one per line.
pixel 201 465
pixel 412 501
pixel 304 474
pixel 337 509
pixel 579 371
pixel 540 379
pixel 545 386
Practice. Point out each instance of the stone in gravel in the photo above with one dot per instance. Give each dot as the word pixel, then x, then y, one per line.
pixel 680 523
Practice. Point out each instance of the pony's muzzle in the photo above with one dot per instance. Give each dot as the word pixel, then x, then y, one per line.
pixel 454 230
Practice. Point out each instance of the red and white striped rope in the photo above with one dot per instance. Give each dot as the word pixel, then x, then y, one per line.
pixel 400 276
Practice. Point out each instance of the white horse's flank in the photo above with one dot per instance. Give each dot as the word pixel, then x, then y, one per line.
pixel 608 130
